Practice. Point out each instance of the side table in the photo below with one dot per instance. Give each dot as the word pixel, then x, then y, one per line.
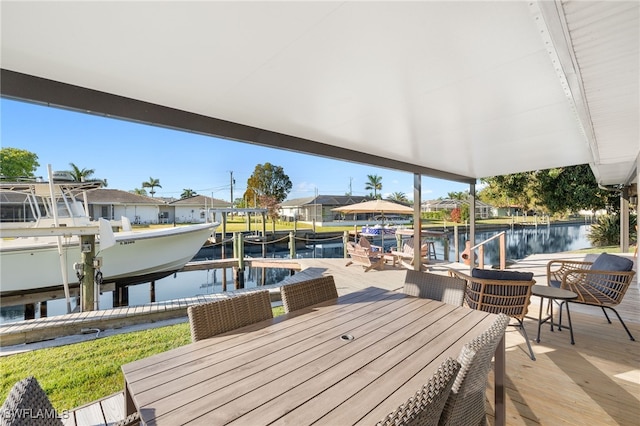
pixel 553 293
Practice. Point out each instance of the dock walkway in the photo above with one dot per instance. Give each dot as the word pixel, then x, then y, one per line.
pixel 348 279
pixel 47 328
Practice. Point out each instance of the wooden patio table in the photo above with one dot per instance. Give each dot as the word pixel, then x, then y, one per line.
pixel 351 360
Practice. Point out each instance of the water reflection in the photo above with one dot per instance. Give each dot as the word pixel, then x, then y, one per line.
pixel 525 241
pixel 521 242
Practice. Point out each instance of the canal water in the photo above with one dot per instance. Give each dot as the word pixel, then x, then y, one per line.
pixel 521 242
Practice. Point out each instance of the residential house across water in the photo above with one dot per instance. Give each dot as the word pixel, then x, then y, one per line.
pixel 318 209
pixel 483 210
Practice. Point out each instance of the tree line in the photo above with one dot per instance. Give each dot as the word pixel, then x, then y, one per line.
pixel 557 191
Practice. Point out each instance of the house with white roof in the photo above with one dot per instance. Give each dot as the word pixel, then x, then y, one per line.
pixel 192 209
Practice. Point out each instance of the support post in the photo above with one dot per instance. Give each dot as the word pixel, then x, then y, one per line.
pixel 472 227
pixel 223 250
pixel 417 221
pixel 88 248
pixel 624 220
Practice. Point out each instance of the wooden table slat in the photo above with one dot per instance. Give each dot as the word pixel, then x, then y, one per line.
pixel 299 370
pixel 251 367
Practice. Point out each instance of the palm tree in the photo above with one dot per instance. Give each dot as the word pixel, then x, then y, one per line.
pixel 138 191
pixel 188 193
pixel 375 183
pixel 460 195
pixel 399 197
pixel 82 175
pixel 152 183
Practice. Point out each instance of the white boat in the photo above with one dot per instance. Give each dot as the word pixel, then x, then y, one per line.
pixel 32 261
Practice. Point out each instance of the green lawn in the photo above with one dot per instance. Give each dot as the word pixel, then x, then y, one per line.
pixel 240 225
pixel 79 373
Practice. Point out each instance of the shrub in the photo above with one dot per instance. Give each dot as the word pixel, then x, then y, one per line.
pixel 456 215
pixel 606 230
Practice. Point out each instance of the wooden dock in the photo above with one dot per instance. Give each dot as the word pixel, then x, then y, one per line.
pixel 30 298
pixel 40 329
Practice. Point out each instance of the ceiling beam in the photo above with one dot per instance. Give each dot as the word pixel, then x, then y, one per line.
pixel 34 89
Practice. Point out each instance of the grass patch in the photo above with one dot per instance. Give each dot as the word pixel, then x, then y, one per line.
pixel 76 374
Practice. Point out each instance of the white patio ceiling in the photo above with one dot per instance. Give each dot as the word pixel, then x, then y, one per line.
pixel 458 90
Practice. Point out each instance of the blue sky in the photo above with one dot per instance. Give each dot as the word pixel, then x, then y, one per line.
pixel 127 154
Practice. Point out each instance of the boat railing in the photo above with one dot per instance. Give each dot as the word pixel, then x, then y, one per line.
pixel 503 249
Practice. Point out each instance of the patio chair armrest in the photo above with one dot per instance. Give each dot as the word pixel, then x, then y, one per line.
pixel 553 265
pixel 597 287
pixel 557 270
pixel 458 274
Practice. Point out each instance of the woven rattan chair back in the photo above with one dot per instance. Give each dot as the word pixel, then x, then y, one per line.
pixel 425 407
pixel 306 293
pixel 436 287
pixel 466 402
pixel 507 296
pixel 220 316
pixel 499 296
pixel 25 401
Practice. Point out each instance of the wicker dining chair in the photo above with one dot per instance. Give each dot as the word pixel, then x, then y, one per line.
pixel 436 287
pixel 212 318
pixel 497 291
pixel 28 404
pixel 603 282
pixel 306 293
pixel 425 407
pixel 26 399
pixel 466 402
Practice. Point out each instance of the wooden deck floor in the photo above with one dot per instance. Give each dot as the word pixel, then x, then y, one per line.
pixel 595 381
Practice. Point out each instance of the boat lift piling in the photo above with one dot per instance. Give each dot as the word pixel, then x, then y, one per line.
pixel 87 283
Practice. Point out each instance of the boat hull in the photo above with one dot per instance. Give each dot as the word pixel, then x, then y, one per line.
pixel 33 265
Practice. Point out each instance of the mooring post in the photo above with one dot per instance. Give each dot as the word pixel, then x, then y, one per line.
pixel 120 295
pixel 88 248
pixel 43 309
pixel 223 250
pixel 445 243
pixel 152 291
pixel 239 253
pixel 292 245
pixel 29 311
pixel 345 240
pixel 456 247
